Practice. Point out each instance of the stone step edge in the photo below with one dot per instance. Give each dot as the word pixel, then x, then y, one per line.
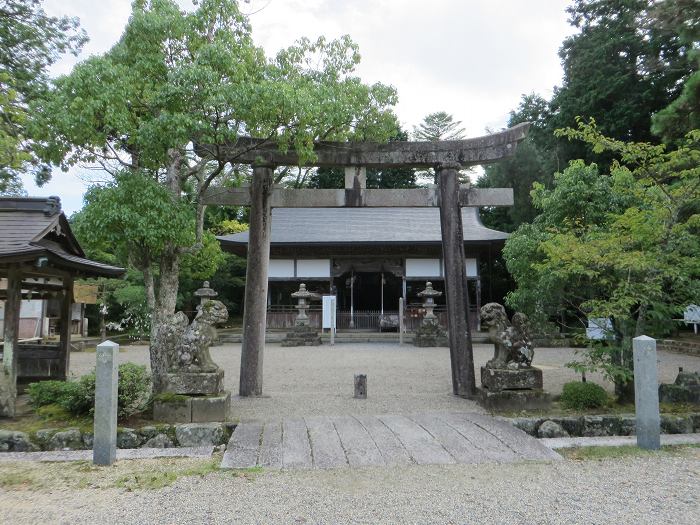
pixel 617 441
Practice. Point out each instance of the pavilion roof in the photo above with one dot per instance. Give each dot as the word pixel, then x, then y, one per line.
pixel 32 227
pixel 342 226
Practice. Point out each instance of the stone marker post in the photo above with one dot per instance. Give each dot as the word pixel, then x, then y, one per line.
pixel 360 386
pixel 646 393
pixel 104 450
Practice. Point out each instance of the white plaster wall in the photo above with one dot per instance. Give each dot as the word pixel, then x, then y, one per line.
pixel 313 268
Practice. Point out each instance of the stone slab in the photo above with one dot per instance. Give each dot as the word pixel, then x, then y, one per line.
pixel 326 449
pixel 296 449
pixel 491 449
pixel 421 446
pixel 372 441
pixel 271 446
pixel 211 408
pixel 390 447
pixel 360 448
pixel 515 439
pixel 646 392
pixel 242 448
pixel 461 449
pixel 122 454
pixel 203 383
pixel 497 379
pixel 617 441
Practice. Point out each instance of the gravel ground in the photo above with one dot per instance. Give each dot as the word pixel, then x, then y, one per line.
pixel 660 488
pixel 309 381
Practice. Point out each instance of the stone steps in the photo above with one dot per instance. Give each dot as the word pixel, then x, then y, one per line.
pixel 680 346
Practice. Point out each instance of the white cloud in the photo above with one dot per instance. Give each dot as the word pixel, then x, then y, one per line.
pixel 471 58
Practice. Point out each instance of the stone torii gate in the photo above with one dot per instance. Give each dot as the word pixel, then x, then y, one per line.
pixel 447 157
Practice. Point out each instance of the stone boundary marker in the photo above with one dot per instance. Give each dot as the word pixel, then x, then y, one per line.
pixel 106 385
pixel 123 453
pixel 646 393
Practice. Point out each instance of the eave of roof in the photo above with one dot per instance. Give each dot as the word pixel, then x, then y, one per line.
pixel 311 227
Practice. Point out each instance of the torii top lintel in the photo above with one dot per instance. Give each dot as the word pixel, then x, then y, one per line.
pixel 468 152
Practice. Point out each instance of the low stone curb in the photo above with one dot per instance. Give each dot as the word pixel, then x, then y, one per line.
pixel 161 436
pixel 617 441
pixel 600 425
pixel 122 454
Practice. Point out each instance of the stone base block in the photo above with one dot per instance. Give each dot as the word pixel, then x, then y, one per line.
pixel 497 379
pixel 211 408
pixel 515 399
pixel 430 334
pixel 204 383
pixel 302 336
pixel 192 409
pixel 175 409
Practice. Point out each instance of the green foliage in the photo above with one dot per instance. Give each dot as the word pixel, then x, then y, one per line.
pixel 621 245
pixel 78 397
pixel 30 41
pixel 582 396
pixel 134 217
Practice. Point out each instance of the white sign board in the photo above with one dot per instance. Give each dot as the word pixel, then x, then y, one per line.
pixel 328 302
pixel 599 329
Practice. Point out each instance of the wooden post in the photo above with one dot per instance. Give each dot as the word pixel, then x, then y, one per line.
pixel 65 334
pixel 457 298
pixel 8 381
pixel 255 306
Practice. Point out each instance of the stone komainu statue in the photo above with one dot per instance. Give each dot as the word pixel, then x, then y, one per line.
pixel 189 343
pixel 511 340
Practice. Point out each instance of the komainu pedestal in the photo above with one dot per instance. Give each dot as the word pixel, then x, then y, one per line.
pixel 194 390
pixel 509 381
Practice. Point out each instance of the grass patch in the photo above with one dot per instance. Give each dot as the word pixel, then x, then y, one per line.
pixel 16 481
pixel 625 451
pixel 129 475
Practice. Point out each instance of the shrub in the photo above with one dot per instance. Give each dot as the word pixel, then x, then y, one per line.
pixel 78 397
pixel 579 396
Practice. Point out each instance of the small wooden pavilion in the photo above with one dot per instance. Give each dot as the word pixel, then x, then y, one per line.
pixel 39 257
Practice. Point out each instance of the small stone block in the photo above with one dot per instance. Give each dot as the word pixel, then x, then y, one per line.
pixel 203 383
pixel 360 386
pixel 211 408
pixel 497 379
pixel 535 399
pixel 178 410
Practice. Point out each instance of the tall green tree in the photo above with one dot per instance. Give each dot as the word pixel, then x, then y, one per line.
pixel 30 42
pixel 680 19
pixel 619 70
pixel 178 76
pixel 438 126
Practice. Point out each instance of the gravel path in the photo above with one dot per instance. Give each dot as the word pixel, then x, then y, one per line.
pixel 654 490
pixel 311 381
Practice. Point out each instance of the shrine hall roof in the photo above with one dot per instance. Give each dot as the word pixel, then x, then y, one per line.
pixel 337 226
pixel 32 228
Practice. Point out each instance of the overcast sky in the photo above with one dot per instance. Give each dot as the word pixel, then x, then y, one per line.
pixel 471 58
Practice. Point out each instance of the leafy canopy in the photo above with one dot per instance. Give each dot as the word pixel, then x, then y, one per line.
pixel 30 41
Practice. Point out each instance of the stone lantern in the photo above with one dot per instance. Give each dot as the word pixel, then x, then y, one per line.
pixel 303 334
pixel 429 295
pixel 205 293
pixel 430 333
pixel 304 297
